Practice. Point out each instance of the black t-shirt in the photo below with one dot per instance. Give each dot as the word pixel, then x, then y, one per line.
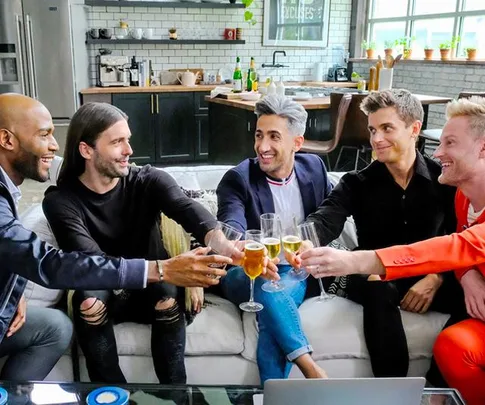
pixel 384 213
pixel 125 221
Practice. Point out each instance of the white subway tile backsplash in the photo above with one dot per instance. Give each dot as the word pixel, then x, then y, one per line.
pixel 190 21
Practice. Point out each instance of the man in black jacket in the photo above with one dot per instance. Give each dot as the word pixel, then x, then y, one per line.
pixel 34 338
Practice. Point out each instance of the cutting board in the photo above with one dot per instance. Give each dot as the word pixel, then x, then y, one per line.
pixel 194 71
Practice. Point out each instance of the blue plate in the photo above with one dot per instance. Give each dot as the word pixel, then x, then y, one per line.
pixel 104 394
pixel 3 396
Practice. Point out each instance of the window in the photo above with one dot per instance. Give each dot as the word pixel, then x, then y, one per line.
pixel 427 23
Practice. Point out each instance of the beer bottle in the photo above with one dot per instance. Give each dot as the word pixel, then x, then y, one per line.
pixel 237 80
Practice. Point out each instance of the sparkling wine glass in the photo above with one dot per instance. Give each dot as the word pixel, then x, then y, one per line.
pixel 223 241
pixel 253 264
pixel 271 229
pixel 308 233
pixel 291 241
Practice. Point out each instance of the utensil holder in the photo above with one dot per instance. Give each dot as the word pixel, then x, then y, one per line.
pixel 385 79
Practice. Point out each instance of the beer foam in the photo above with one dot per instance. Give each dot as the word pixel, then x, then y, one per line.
pixel 253 246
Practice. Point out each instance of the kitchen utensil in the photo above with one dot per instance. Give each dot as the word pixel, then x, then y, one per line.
pixel 136 33
pixel 187 78
pixel 105 33
pixel 94 33
pixel 198 71
pixel 398 58
pixel 148 33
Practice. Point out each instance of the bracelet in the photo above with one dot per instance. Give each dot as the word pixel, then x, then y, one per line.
pixel 160 269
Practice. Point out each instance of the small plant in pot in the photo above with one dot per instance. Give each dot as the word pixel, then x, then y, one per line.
pixel 471 53
pixel 407 46
pixel 428 52
pixel 388 47
pixel 454 45
pixel 370 48
pixel 445 49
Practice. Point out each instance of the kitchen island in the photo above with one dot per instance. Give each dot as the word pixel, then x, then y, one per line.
pixel 232 124
pixel 169 123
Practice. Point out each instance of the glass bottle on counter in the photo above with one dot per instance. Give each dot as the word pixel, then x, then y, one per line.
pixel 134 72
pixel 237 79
pixel 252 76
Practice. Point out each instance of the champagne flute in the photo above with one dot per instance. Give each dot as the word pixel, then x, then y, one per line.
pixel 308 232
pixel 271 229
pixel 291 240
pixel 253 266
pixel 223 241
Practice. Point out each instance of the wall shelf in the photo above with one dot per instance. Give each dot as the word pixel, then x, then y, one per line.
pixel 173 4
pixel 92 41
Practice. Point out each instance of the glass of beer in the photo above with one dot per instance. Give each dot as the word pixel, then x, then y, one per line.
pixel 291 241
pixel 253 264
pixel 308 233
pixel 271 229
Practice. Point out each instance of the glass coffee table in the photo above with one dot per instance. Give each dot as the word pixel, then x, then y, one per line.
pixel 46 393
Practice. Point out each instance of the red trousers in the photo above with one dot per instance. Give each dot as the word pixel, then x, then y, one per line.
pixel 460 353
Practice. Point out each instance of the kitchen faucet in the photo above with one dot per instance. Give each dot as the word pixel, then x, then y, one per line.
pixel 274 64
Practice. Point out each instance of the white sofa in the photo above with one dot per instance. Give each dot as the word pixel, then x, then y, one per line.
pixel 221 342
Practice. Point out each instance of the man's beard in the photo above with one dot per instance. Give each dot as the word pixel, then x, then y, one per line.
pixel 27 164
pixel 108 169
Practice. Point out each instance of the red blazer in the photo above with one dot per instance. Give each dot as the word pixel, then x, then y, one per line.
pixel 461 251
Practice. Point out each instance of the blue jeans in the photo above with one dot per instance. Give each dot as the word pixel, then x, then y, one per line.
pixel 281 337
pixel 37 346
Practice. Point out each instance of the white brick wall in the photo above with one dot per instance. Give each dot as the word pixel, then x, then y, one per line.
pixel 212 57
pixel 435 79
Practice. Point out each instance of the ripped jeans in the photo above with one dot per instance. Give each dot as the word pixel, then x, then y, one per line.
pixel 97 339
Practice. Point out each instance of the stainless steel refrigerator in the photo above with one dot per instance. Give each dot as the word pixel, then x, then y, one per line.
pixel 43 52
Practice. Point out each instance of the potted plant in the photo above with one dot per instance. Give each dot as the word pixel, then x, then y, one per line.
pixel 471 53
pixel 388 45
pixel 406 44
pixel 370 48
pixel 428 52
pixel 445 48
pixel 454 45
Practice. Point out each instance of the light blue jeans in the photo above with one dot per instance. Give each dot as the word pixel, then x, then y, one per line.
pixel 281 337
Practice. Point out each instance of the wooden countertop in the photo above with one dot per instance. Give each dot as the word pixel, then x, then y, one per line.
pixel 318 103
pixel 200 87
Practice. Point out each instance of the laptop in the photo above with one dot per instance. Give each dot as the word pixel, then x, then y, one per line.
pixel 344 391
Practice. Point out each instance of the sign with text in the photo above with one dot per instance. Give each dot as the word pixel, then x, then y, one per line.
pixel 296 23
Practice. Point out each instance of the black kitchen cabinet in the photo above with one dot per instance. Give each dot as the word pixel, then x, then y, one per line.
pixel 318 125
pixel 231 134
pixel 201 126
pixel 175 127
pixel 167 128
pixel 138 107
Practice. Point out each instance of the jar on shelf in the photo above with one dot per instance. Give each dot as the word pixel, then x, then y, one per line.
pixel 172 33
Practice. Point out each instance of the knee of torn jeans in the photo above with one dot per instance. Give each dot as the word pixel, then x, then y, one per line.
pixel 93 311
pixel 168 311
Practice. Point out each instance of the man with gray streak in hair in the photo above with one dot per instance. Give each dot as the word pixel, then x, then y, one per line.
pixel 396 200
pixel 277 181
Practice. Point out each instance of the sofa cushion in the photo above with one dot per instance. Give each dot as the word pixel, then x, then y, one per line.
pixel 335 330
pixel 34 219
pixel 198 177
pixel 216 330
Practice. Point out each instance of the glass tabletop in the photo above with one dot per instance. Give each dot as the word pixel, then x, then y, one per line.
pixel 47 393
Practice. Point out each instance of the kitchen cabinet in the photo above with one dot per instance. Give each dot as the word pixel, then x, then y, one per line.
pixel 231 134
pixel 175 127
pixel 138 107
pixel 201 126
pixel 166 128
pixel 318 125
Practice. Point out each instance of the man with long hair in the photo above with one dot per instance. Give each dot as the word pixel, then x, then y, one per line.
pixel 103 205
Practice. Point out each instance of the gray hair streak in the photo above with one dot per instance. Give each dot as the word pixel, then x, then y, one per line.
pixel 286 108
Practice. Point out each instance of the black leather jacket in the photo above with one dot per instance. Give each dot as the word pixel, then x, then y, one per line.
pixel 24 256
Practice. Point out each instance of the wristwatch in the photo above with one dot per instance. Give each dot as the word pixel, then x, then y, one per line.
pixel 160 269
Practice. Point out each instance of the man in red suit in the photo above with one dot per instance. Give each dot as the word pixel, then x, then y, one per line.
pixel 459 349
